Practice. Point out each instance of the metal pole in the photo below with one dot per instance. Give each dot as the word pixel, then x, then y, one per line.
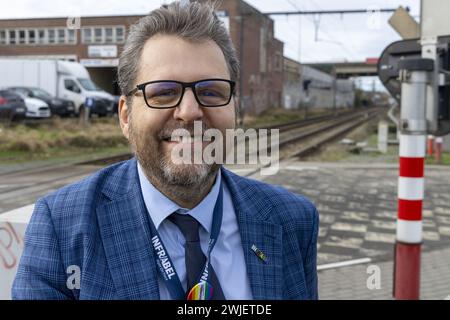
pixel 430 145
pixel 438 153
pixel 414 76
pixel 241 73
pixel 334 95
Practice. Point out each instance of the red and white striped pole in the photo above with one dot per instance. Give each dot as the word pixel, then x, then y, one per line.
pixel 413 139
pixel 409 217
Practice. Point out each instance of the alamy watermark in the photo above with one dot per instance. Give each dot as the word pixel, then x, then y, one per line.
pixel 374 280
pixel 239 146
pixel 73 23
pixel 74 277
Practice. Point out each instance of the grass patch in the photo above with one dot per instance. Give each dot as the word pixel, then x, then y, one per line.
pixel 60 138
pixel 337 152
pixel 445 159
pixel 59 155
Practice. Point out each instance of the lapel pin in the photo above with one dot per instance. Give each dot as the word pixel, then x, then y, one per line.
pixel 259 253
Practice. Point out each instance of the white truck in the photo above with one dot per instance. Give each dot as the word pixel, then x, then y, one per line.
pixel 62 79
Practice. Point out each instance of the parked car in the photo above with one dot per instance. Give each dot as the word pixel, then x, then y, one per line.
pixel 12 106
pixel 60 107
pixel 35 108
pixel 62 79
pixel 99 106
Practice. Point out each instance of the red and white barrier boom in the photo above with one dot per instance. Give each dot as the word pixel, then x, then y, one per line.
pixel 414 74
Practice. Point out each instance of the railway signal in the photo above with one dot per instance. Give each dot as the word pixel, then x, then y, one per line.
pixel 414 75
pixel 417 73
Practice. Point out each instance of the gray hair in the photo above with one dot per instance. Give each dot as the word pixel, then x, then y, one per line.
pixel 193 21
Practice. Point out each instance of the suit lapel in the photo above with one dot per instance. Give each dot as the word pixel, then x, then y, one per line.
pixel 266 277
pixel 124 229
pixel 125 234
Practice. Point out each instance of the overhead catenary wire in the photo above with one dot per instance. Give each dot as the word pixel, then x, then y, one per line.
pixel 316 22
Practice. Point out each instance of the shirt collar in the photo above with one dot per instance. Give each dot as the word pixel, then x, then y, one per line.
pixel 160 207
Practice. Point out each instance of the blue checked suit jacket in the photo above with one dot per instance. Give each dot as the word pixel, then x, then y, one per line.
pixel 101 225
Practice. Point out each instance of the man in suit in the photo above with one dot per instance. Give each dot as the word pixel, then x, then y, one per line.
pixel 151 228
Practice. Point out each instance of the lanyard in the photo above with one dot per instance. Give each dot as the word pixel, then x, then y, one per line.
pixel 164 263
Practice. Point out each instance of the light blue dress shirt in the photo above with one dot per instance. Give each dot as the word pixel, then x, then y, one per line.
pixel 227 257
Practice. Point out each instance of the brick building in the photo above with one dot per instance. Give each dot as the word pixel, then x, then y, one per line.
pixel 260 53
pixel 98 41
pixel 96 44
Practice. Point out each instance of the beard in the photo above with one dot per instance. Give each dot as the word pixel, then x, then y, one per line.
pixel 158 165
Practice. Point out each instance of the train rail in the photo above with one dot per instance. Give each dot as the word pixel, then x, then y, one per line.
pixel 297 139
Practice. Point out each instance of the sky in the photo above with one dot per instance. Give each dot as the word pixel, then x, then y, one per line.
pixel 348 37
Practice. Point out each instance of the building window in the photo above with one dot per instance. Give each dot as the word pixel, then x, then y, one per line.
pixel 12 37
pixel 3 39
pixel 22 37
pixel 71 36
pixel 87 35
pixel 120 34
pixel 51 35
pixel 278 61
pixel 41 36
pixel 98 35
pixel 109 37
pixel 32 36
pixel 61 36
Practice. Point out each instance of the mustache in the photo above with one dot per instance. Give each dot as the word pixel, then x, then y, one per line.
pixel 166 132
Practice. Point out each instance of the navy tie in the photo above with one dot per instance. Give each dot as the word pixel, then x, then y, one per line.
pixel 194 257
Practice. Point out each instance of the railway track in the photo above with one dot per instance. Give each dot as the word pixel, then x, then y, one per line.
pixel 283 127
pixel 285 135
pixel 297 139
pixel 300 143
pixel 306 131
pixel 343 128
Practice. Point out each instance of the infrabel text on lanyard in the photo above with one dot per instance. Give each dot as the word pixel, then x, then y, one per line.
pixel 203 290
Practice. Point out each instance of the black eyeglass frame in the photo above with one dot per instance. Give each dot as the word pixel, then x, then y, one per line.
pixel 141 87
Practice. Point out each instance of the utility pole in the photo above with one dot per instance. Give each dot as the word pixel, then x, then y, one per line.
pixel 333 74
pixel 414 76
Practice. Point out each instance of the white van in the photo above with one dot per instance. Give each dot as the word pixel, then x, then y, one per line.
pixel 62 79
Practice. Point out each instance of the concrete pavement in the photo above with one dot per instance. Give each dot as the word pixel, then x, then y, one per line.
pixel 357 206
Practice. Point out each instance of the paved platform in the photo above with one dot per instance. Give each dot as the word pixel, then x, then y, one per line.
pixel 358 207
pixel 350 283
pixel 24 187
pixel 357 204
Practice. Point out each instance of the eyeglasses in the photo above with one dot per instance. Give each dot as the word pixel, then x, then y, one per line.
pixel 166 94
